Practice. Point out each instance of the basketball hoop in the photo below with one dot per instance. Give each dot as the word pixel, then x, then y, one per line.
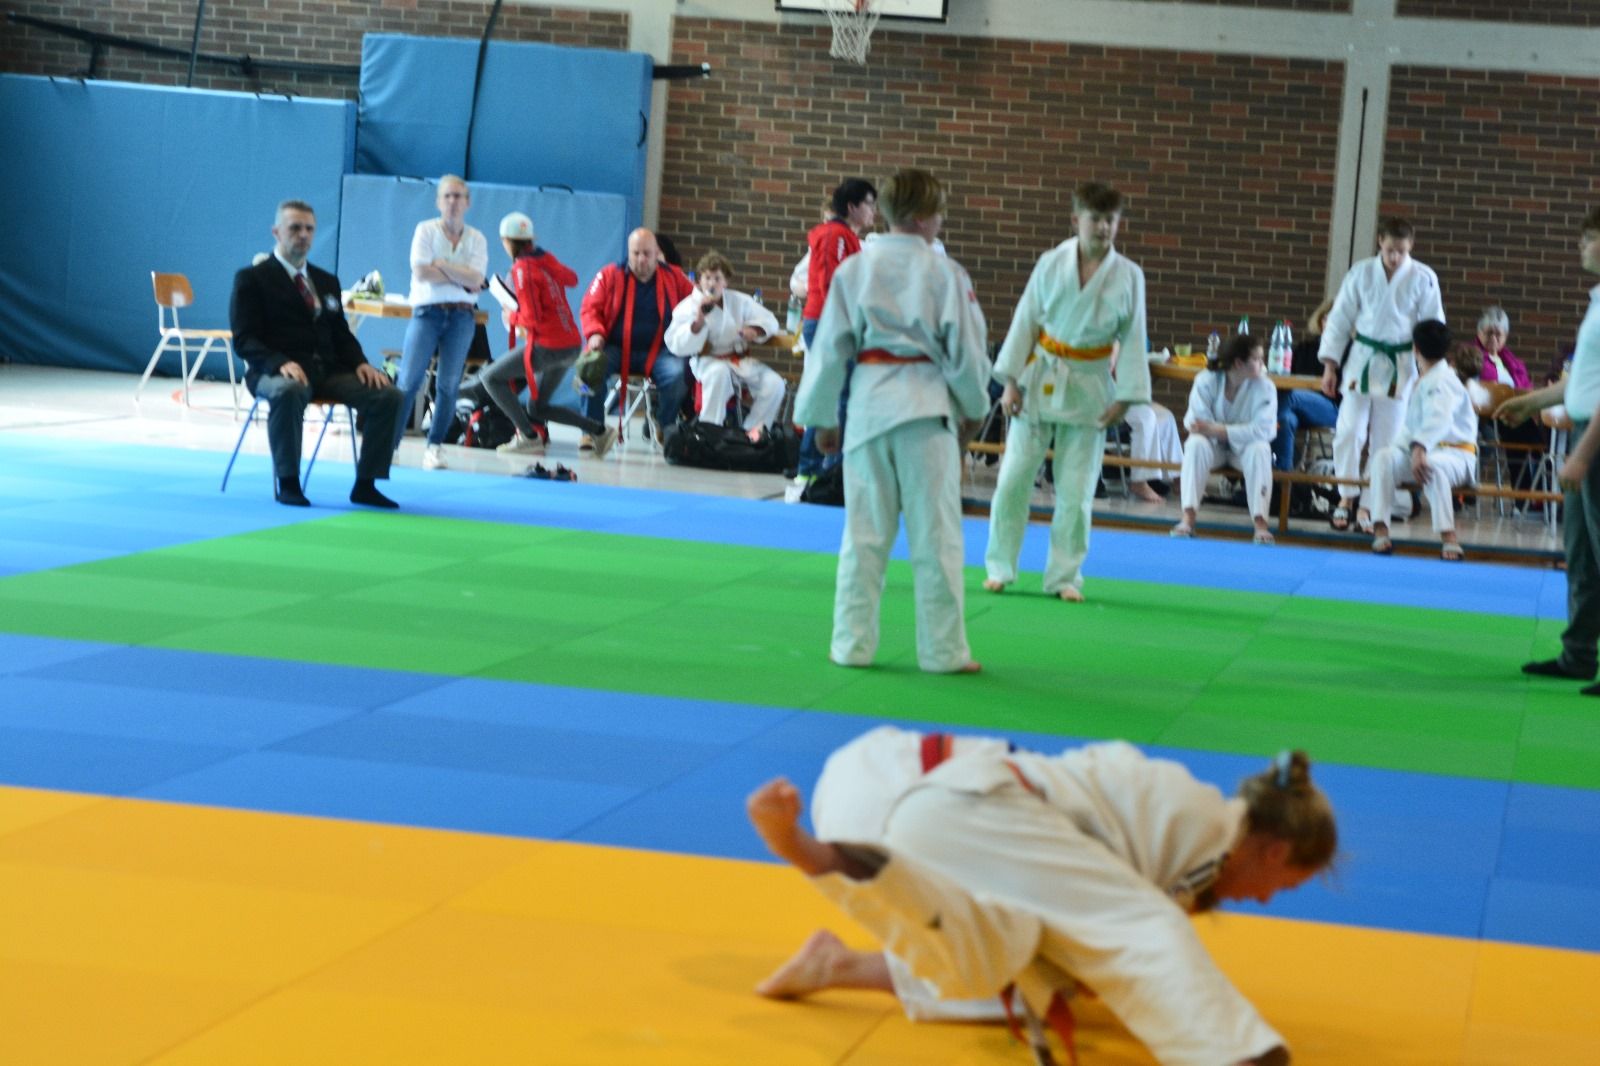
pixel 853 23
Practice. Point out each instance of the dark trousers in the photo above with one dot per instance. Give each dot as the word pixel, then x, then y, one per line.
pixel 1580 529
pixel 378 408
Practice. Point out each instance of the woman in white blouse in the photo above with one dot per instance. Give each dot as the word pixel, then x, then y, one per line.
pixel 448 260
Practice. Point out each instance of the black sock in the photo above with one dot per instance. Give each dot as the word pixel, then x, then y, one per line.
pixel 366 493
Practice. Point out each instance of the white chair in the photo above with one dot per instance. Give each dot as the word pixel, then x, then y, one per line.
pixel 639 390
pixel 172 292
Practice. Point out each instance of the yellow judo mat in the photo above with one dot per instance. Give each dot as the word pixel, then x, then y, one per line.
pixel 142 932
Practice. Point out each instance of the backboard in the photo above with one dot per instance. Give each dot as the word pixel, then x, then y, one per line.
pixel 915 10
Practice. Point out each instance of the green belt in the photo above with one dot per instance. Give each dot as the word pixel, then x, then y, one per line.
pixel 1383 348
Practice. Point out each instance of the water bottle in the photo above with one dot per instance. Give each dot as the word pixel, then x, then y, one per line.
pixel 791 320
pixel 1244 326
pixel 1288 347
pixel 1213 348
pixel 1275 350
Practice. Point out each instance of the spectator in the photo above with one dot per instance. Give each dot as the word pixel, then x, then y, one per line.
pixel 1233 410
pixel 1306 408
pixel 715 327
pixel 625 315
pixel 448 260
pixel 1499 362
pixel 289 327
pixel 540 281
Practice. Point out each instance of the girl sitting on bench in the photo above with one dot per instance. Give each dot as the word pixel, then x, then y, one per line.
pixel 1233 415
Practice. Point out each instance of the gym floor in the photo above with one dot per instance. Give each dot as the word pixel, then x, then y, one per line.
pixel 464 783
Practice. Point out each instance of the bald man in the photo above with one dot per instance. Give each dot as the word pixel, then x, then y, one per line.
pixel 626 313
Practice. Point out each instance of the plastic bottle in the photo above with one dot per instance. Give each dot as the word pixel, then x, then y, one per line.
pixel 1213 348
pixel 1244 326
pixel 1275 350
pixel 1288 347
pixel 791 319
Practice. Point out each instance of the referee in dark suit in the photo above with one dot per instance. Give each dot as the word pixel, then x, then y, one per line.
pixel 289 326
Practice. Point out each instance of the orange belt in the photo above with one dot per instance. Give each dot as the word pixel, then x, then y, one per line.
pixel 878 355
pixel 1067 351
pixel 1473 448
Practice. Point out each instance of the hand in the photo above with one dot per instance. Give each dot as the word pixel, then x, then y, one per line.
pixel 596 342
pixel 1011 399
pixel 371 376
pixel 293 372
pixel 1214 430
pixel 1330 381
pixel 1113 414
pixel 1572 473
pixel 1514 411
pixel 827 440
pixel 751 333
pixel 1419 465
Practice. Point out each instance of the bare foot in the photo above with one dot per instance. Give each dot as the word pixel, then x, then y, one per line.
pixel 994 584
pixel 1071 594
pixel 809 970
pixel 971 667
pixel 1141 490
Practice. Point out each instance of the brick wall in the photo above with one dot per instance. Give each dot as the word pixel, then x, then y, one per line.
pixel 1229 162
pixel 1543 12
pixel 1497 169
pixel 322 32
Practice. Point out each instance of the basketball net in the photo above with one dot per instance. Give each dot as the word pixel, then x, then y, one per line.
pixel 853 23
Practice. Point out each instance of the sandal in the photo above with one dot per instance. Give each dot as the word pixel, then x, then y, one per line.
pixel 1364 521
pixel 1453 553
pixel 1382 546
pixel 1340 518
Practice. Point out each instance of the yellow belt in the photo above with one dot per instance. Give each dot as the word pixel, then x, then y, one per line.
pixel 1067 351
pixel 1473 448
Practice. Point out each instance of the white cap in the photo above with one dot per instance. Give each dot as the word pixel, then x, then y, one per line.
pixel 517 226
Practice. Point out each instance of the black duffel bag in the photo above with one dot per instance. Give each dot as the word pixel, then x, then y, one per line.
pixel 714 447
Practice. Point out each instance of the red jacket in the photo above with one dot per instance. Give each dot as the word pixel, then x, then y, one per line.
pixel 831 243
pixel 611 294
pixel 542 308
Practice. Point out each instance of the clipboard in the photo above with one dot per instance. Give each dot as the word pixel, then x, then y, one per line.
pixel 502 292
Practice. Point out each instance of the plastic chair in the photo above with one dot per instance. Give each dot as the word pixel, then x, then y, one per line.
pixel 639 391
pixel 173 291
pixel 327 406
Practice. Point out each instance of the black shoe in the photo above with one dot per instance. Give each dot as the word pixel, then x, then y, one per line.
pixel 366 493
pixel 287 491
pixel 564 474
pixel 1556 668
pixel 537 470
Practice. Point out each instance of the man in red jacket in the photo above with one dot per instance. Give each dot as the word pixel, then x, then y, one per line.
pixel 626 313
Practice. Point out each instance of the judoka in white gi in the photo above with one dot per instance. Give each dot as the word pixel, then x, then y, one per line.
pixel 1153 437
pixel 1436 448
pixel 980 867
pixel 1379 302
pixel 1083 304
pixel 1232 418
pixel 714 327
pixel 908 319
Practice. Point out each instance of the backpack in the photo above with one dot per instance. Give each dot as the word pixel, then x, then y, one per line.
pixel 827 488
pixel 714 447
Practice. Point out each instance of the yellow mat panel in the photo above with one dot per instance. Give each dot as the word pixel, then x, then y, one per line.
pixel 135 932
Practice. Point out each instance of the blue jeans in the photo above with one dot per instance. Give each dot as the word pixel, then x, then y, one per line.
pixel 670 374
pixel 450 331
pixel 1302 407
pixel 812 461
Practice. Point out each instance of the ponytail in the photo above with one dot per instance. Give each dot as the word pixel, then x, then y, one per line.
pixel 1283 804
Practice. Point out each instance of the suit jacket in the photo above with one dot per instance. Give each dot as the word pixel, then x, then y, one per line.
pixel 272 325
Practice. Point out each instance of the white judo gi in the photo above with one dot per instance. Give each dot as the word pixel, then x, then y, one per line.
pixel 717 356
pixel 1252 421
pixel 1058 351
pixel 908 318
pixel 1440 417
pixel 1381 311
pixel 1153 438
pixel 1042 870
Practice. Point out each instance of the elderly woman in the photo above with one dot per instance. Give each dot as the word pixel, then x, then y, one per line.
pixel 1499 364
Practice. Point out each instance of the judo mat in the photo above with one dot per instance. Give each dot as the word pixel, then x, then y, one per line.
pixel 465 783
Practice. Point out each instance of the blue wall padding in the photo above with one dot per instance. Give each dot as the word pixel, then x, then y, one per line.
pixel 585 230
pixel 547 114
pixel 118 180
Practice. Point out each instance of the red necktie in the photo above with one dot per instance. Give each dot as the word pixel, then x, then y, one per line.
pixel 305 293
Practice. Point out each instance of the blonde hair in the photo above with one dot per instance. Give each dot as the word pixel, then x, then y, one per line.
pixel 911 195
pixel 455 179
pixel 1282 803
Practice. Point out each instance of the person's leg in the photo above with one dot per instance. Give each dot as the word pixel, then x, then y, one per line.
pixel 871 520
pixel 496 379
pixel 416 354
pixel 285 417
pixel 1383 422
pixel 1144 428
pixel 1255 463
pixel 1026 443
pixel 595 407
pixel 1386 469
pixel 766 393
pixel 379 410
pixel 825 962
pixel 1288 426
pixel 455 340
pixel 1199 456
pixel 810 458
pixel 671 377
pixel 1079 451
pixel 927 462
pixel 1349 435
pixel 716 388
pixel 550 366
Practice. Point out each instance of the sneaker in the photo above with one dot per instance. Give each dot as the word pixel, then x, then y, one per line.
pixel 603 442
pixel 586 443
pixel 796 488
pixel 433 458
pixel 520 445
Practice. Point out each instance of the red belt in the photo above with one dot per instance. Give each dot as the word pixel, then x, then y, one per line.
pixel 878 355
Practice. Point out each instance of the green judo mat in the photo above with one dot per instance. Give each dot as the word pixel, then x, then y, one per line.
pixel 1394 687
